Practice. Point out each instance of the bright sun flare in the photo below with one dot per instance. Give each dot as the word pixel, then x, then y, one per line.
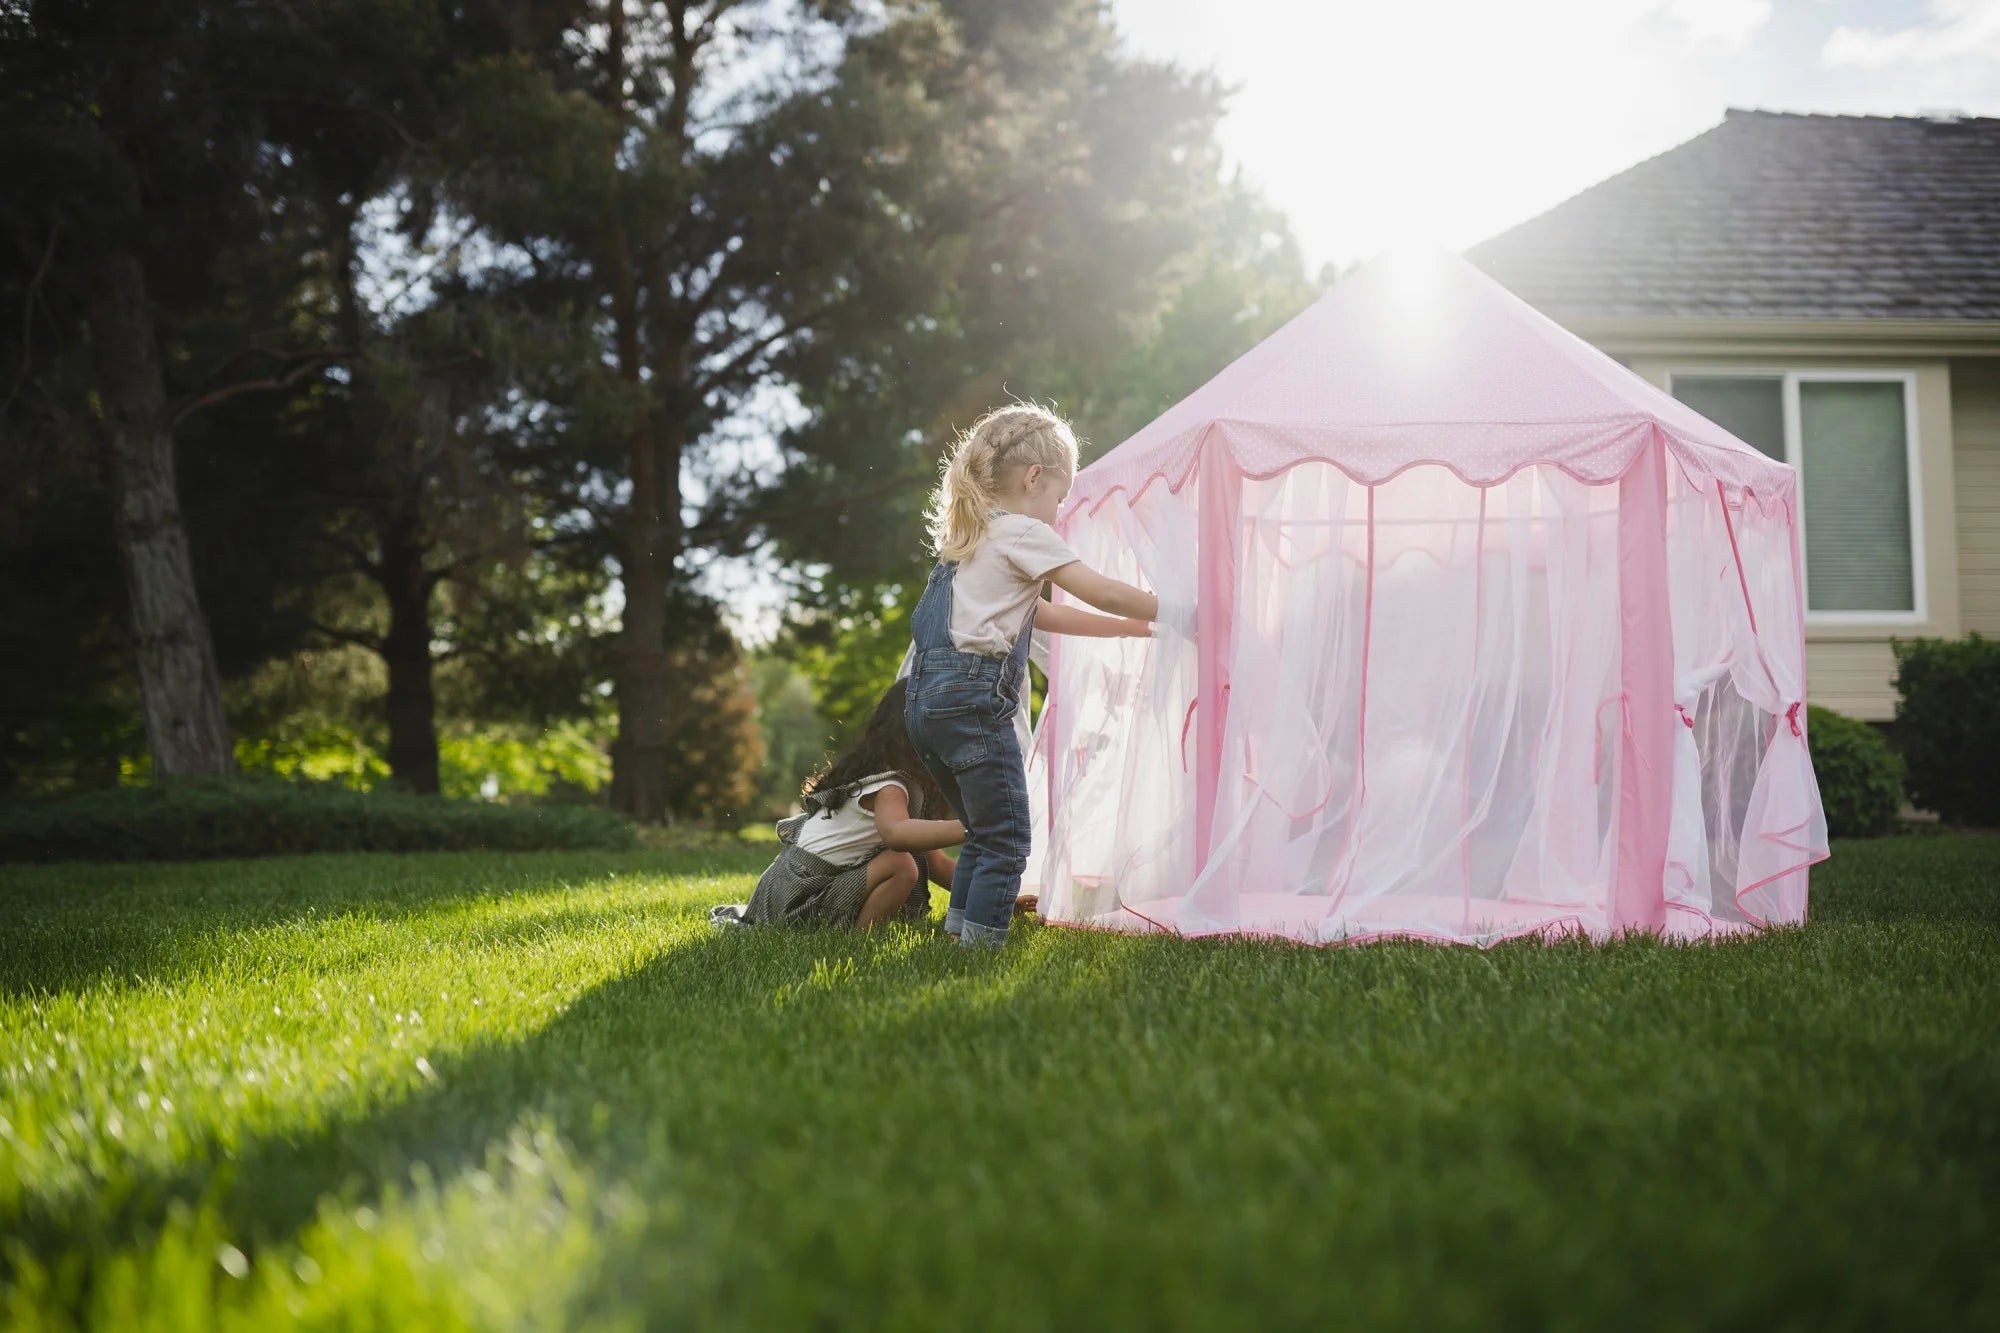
pixel 1447 121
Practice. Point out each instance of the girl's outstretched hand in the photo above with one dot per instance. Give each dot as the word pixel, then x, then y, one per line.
pixel 1061 618
pixel 1177 619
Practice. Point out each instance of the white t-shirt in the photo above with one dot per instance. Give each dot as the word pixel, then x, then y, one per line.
pixel 1000 580
pixel 847 836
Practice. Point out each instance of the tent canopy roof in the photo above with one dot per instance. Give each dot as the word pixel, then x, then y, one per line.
pixel 1424 359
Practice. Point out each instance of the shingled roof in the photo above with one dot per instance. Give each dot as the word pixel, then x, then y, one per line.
pixel 1777 216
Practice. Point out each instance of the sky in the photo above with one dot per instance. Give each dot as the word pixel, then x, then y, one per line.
pixel 1375 123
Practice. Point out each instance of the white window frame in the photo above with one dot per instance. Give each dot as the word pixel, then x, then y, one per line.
pixel 1789 381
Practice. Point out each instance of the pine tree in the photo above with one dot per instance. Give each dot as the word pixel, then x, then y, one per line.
pixel 869 211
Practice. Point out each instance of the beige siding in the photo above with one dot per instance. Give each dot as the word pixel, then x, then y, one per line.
pixel 1852 678
pixel 1975 396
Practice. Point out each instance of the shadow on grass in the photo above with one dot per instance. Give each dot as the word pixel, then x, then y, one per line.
pixel 664 1048
pixel 75 927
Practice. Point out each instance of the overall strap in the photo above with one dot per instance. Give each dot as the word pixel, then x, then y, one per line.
pixel 930 623
pixel 1017 656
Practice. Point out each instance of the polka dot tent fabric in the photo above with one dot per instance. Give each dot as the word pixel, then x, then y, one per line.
pixel 1494 639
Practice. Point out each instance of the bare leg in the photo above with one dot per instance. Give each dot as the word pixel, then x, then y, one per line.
pixel 891 876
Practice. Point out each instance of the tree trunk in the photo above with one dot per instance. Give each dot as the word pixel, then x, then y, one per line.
pixel 410 704
pixel 651 540
pixel 645 683
pixel 406 649
pixel 179 687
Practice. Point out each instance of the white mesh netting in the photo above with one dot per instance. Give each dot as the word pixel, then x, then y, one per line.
pixel 1494 640
pixel 1422 717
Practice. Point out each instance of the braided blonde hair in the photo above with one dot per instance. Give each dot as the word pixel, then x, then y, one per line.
pixel 1005 439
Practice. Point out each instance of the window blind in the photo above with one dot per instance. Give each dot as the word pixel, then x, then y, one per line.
pixel 1854 476
pixel 1752 408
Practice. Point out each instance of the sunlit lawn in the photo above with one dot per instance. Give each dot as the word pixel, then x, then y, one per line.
pixel 536 1091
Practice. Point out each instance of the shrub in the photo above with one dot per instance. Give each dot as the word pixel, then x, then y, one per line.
pixel 1948 725
pixel 1860 782
pixel 239 817
pixel 501 760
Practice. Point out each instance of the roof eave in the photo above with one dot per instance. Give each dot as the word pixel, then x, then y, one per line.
pixel 1662 335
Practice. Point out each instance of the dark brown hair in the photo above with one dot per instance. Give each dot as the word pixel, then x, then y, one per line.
pixel 883 747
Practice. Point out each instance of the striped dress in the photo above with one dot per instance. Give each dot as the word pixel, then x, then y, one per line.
pixel 801 888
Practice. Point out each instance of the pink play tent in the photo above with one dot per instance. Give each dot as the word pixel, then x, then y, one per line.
pixel 1495 639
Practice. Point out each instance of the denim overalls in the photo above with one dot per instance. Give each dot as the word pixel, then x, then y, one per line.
pixel 960 716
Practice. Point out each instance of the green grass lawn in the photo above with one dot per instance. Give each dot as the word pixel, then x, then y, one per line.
pixel 536 1091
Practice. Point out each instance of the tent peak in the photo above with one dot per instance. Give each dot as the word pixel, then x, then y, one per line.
pixel 1418 357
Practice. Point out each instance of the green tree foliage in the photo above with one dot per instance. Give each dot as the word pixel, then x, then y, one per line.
pixel 795 736
pixel 716 749
pixel 135 161
pixel 878 214
pixel 68 706
pixel 314 716
pixel 694 178
pixel 850 649
pixel 1241 279
pixel 426 476
pixel 475 321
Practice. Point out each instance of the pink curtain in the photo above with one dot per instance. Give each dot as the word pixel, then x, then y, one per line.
pixel 1432 709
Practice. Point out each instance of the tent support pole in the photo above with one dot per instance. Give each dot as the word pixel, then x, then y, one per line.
pixel 1646 673
pixel 1219 494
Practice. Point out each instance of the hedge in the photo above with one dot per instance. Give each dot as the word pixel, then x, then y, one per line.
pixel 244 817
pixel 1860 782
pixel 1948 726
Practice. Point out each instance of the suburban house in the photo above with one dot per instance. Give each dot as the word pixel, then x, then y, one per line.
pixel 1827 288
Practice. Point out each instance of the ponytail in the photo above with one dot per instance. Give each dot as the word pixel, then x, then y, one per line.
pixel 962 505
pixel 1005 439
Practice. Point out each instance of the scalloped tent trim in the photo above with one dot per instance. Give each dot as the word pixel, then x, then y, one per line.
pixel 1424 360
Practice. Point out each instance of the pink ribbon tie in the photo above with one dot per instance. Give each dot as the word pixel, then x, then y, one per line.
pixel 1792 716
pixel 1624 702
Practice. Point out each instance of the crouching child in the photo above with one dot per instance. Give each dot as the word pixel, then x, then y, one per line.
pixel 862 852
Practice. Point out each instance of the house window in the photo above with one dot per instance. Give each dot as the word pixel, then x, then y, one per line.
pixel 1851 436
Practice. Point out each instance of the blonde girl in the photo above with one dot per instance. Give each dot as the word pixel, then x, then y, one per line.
pixel 992 526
